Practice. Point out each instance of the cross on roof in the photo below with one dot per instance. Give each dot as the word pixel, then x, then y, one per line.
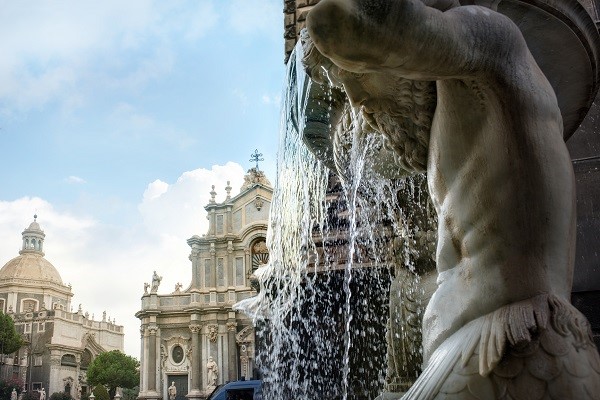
pixel 256 156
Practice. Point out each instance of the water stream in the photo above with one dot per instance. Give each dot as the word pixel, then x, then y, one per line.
pixel 336 246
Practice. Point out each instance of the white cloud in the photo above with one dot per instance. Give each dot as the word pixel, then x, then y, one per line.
pixel 155 189
pixel 165 204
pixel 63 50
pixel 75 180
pixel 108 264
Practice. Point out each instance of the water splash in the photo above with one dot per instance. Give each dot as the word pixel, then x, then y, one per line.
pixel 335 245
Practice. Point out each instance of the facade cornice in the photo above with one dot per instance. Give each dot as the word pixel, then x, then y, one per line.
pixel 18 284
pixel 65 348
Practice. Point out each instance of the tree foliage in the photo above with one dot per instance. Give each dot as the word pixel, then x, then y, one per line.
pixel 130 394
pixel 60 396
pixel 113 369
pixel 31 395
pixel 100 393
pixel 7 385
pixel 10 340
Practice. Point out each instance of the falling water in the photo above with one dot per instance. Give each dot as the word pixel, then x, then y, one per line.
pixel 336 244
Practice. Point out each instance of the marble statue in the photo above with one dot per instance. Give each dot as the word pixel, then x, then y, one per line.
pixel 43 394
pixel 172 391
pixel 212 372
pixel 155 282
pixel 13 394
pixel 491 140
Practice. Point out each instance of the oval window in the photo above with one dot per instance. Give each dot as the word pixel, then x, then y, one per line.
pixel 177 354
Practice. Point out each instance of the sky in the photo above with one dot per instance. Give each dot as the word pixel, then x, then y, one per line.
pixel 116 117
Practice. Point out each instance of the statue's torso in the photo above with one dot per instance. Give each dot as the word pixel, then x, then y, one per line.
pixel 501 180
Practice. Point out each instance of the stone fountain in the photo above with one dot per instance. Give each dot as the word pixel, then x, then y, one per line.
pixel 480 97
pixel 470 104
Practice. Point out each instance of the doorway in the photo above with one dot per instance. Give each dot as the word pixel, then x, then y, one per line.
pixel 181 383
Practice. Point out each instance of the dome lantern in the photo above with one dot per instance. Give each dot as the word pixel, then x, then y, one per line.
pixel 33 239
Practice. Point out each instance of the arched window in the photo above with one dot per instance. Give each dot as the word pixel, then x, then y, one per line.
pixel 69 360
pixel 260 254
pixel 29 305
pixel 86 359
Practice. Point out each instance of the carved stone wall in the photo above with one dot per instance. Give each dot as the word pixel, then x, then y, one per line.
pixel 294 17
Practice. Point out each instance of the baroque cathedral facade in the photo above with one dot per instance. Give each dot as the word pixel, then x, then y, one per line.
pixel 192 338
pixel 59 344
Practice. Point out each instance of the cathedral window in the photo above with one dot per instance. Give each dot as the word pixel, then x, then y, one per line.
pixel 37 360
pixel 86 359
pixel 260 254
pixel 239 271
pixel 41 326
pixel 177 354
pixel 220 224
pixel 68 360
pixel 28 305
pixel 207 272
pixel 220 273
pixel 27 327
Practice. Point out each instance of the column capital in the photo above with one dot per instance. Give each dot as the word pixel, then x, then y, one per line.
pixel 231 326
pixel 152 329
pixel 195 328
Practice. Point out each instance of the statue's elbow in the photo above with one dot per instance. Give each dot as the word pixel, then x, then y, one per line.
pixel 324 25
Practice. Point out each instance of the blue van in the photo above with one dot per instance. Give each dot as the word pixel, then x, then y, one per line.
pixel 238 390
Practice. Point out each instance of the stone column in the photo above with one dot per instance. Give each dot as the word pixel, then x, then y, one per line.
pixel 247 265
pixel 230 267
pixel 232 350
pixel 196 363
pixel 213 267
pixel 152 330
pixel 148 332
pixel 142 359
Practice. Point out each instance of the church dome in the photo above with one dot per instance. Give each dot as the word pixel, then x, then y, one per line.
pixel 32 267
pixel 30 264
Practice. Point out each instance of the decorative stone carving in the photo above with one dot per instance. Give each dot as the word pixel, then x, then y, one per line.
pixel 213 333
pixel 231 326
pixel 178 287
pixel 155 282
pixel 213 194
pixel 246 335
pixel 195 328
pixel 253 177
pixel 258 203
pixel 499 174
pixel 228 190
pixel 152 329
pixel 212 371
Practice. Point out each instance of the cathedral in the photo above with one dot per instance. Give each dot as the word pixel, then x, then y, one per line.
pixel 59 343
pixel 192 338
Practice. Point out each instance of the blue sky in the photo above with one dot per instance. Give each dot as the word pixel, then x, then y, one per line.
pixel 115 119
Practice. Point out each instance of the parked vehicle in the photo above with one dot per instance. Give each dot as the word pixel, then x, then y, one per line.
pixel 238 390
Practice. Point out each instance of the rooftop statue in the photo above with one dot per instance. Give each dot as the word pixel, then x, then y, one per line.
pixel 491 140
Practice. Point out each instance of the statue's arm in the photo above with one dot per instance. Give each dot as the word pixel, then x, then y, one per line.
pixel 416 40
